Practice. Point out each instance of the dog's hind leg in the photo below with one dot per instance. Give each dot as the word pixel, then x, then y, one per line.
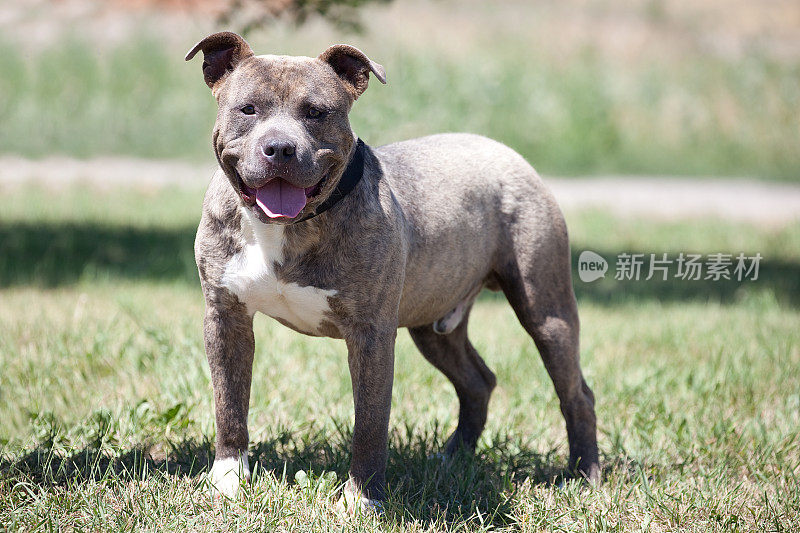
pixel 538 285
pixel 457 359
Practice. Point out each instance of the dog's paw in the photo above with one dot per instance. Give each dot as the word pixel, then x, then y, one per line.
pixel 353 503
pixel 227 476
pixel 593 476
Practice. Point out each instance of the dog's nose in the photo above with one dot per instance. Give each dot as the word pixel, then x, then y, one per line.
pixel 279 151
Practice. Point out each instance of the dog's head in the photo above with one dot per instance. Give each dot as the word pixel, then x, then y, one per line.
pixel 282 134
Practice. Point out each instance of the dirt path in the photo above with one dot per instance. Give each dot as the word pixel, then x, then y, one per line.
pixel 763 203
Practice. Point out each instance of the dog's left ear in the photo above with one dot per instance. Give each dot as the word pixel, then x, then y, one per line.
pixel 221 53
pixel 353 67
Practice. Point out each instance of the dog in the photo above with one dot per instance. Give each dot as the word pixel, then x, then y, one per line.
pixel 306 223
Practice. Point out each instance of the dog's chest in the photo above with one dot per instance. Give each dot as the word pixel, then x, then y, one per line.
pixel 250 275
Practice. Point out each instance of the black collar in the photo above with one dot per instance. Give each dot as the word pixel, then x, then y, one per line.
pixel 352 175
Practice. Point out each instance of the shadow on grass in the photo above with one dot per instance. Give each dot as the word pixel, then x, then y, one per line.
pixel 779 277
pixel 52 255
pixel 421 487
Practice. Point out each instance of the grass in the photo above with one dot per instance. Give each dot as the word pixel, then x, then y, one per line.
pixel 107 415
pixel 703 114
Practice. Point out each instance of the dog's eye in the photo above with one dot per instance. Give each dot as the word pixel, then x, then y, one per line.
pixel 315 112
pixel 249 109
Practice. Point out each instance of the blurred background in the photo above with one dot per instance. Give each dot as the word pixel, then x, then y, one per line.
pixel 657 87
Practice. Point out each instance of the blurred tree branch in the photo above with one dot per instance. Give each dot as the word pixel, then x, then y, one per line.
pixel 248 15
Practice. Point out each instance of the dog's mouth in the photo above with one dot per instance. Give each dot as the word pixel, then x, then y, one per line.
pixel 278 198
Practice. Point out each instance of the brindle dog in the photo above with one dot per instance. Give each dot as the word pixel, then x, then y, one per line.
pixel 305 223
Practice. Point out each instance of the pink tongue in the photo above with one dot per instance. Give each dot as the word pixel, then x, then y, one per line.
pixel 279 198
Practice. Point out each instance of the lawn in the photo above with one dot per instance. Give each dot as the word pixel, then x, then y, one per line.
pixel 107 415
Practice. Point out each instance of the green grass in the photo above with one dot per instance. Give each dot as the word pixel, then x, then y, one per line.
pixel 699 115
pixel 107 412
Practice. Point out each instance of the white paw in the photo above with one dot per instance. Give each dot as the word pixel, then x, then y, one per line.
pixel 352 503
pixel 227 474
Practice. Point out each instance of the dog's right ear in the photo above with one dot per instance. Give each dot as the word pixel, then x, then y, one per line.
pixel 221 53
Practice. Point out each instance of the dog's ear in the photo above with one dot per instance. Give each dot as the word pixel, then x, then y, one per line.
pixel 353 67
pixel 221 53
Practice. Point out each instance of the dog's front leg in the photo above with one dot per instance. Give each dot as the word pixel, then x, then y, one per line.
pixel 228 333
pixel 371 361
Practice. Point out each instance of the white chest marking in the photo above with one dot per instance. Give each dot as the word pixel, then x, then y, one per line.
pixel 250 275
